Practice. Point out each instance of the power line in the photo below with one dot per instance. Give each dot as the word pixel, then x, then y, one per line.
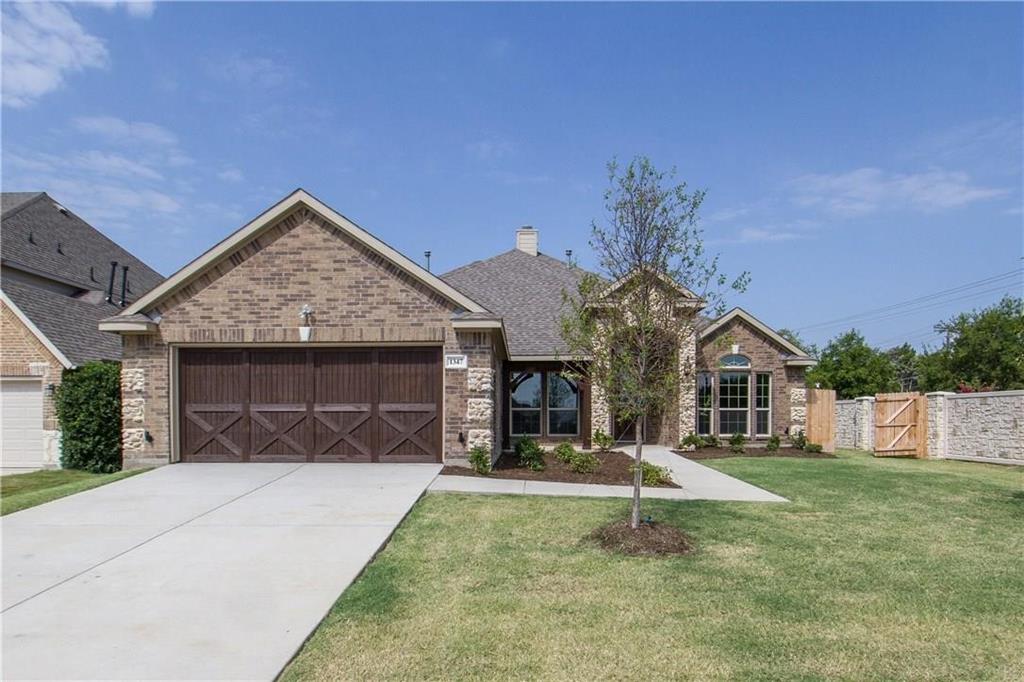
pixel 869 315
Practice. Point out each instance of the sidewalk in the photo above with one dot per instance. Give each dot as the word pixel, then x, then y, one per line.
pixel 698 483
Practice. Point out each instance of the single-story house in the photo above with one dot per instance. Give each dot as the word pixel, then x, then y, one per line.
pixel 303 337
pixel 59 276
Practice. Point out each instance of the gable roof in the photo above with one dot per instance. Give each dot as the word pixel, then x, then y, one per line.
pixel 526 292
pixel 691 299
pixel 266 220
pixel 756 324
pixel 43 238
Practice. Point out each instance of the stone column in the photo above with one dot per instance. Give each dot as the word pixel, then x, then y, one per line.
pixel 600 417
pixel 480 409
pixel 797 410
pixel 938 440
pixel 687 386
pixel 865 423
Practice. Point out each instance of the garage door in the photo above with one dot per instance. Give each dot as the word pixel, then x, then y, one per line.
pixel 299 405
pixel 21 424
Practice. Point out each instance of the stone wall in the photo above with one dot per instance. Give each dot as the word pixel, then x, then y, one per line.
pixel 975 426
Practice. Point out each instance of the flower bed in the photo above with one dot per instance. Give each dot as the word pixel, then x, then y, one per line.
pixel 615 469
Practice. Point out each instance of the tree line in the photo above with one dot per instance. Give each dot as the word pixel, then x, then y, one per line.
pixel 982 350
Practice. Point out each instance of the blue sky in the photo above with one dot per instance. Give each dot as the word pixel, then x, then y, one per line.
pixel 855 156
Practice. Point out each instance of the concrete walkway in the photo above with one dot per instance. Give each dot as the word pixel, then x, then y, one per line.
pixel 698 483
pixel 192 571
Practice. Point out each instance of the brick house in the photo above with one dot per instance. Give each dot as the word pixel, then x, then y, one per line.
pixel 302 337
pixel 55 287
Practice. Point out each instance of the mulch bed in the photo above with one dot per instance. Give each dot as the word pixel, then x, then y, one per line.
pixel 650 539
pixel 614 470
pixel 722 453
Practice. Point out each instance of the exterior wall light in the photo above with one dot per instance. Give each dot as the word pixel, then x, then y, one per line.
pixel 306 330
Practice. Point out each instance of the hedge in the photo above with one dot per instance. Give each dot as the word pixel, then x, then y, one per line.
pixel 88 404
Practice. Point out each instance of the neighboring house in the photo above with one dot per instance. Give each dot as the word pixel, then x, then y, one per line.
pixel 302 337
pixel 55 272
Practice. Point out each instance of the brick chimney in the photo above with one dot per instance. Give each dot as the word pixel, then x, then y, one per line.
pixel 527 239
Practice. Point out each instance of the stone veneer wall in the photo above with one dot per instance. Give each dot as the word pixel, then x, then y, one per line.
pixel 254 296
pixel 976 426
pixel 23 355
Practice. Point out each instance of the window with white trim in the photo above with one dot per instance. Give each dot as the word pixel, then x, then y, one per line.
pixel 525 403
pixel 563 406
pixel 763 405
pixel 735 362
pixel 733 402
pixel 705 402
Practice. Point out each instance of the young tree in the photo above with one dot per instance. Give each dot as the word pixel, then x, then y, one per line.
pixel 794 338
pixel 853 368
pixel 904 362
pixel 625 327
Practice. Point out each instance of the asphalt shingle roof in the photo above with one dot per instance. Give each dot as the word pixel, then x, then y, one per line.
pixel 526 292
pixel 69 323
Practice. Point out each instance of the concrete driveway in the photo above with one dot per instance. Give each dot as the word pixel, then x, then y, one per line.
pixel 192 571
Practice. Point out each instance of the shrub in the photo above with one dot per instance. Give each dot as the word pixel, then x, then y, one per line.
pixel 564 452
pixel 799 440
pixel 480 459
pixel 736 442
pixel 584 462
pixel 692 441
pixel 530 454
pixel 773 444
pixel 603 441
pixel 813 447
pixel 653 475
pixel 711 441
pixel 88 405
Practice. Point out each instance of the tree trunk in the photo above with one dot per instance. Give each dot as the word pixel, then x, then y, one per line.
pixel 638 473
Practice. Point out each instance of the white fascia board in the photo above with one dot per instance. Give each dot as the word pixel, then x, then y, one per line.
pixel 128 327
pixel 61 358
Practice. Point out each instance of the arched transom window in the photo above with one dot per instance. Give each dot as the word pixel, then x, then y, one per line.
pixel 735 361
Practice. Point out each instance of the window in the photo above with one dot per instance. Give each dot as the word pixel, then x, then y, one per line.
pixel 763 405
pixel 735 361
pixel 563 406
pixel 526 403
pixel 705 401
pixel 733 402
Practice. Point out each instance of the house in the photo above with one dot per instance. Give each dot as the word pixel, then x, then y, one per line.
pixel 302 337
pixel 58 279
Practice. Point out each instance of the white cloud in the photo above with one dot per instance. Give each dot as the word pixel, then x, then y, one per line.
pixel 42 45
pixel 231 175
pixel 491 150
pixel 127 133
pixel 143 9
pixel 755 234
pixel 248 71
pixel 866 190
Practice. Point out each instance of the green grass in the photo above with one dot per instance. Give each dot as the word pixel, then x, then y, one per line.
pixel 21 491
pixel 877 570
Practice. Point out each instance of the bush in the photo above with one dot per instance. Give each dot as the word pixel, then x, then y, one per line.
pixel 88 405
pixel 799 440
pixel 480 459
pixel 736 442
pixel 653 475
pixel 583 462
pixel 773 444
pixel 530 454
pixel 564 452
pixel 711 441
pixel 813 447
pixel 692 441
pixel 603 441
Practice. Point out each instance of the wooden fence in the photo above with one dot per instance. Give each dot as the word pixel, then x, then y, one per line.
pixel 821 418
pixel 901 425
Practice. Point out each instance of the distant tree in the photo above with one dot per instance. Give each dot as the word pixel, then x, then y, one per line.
pixel 984 349
pixel 626 338
pixel 853 368
pixel 905 364
pixel 794 338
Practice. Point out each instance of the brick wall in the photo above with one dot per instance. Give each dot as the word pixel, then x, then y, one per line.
pixel 255 295
pixel 788 406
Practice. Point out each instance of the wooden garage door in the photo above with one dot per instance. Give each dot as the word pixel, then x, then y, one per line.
pixel 299 405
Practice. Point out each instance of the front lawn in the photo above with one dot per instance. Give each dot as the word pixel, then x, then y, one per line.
pixel 21 491
pixel 877 569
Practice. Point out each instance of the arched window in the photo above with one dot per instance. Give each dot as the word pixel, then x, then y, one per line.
pixel 735 362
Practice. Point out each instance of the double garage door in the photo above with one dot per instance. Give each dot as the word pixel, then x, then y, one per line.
pixel 302 405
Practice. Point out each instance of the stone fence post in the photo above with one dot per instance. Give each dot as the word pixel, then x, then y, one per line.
pixel 865 423
pixel 938 421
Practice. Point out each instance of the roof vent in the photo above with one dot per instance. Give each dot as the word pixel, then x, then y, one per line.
pixel 527 240
pixel 60 208
pixel 60 248
pixel 31 237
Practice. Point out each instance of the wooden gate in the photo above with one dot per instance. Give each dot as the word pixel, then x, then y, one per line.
pixel 821 418
pixel 901 425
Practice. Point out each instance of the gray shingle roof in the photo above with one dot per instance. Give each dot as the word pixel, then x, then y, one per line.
pixel 69 323
pixel 526 292
pixel 82 246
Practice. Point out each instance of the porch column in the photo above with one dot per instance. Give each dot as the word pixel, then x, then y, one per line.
pixel 687 385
